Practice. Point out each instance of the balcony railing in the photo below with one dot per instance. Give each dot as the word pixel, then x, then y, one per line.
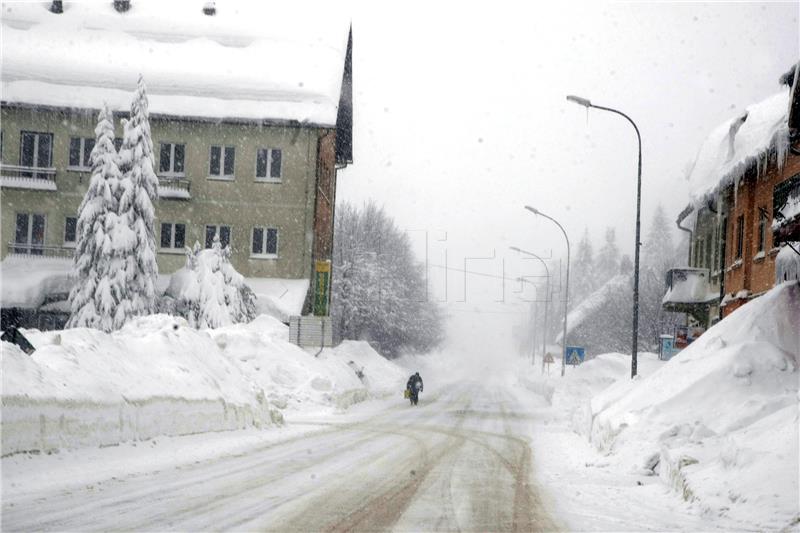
pixel 25 177
pixel 40 250
pixel 174 188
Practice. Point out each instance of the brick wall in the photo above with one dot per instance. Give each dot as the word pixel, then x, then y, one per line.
pixel 756 271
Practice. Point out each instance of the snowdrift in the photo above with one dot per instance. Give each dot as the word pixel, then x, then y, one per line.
pixel 719 422
pixel 157 376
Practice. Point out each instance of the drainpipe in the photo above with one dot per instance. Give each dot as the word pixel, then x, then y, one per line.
pixel 681 217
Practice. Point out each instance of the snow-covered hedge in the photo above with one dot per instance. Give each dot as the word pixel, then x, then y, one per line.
pixel 158 376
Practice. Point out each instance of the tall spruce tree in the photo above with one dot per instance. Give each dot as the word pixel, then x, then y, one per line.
pixel 94 296
pixel 135 248
pixel 583 271
pixel 607 261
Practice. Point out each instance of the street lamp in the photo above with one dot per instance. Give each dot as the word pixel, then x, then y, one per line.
pixel 566 290
pixel 635 342
pixel 547 295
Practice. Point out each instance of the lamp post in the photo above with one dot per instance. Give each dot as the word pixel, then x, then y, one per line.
pixel 635 342
pixel 547 293
pixel 566 289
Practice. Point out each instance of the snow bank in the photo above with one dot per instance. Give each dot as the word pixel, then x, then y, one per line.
pixel 157 376
pixel 719 422
pixel 279 297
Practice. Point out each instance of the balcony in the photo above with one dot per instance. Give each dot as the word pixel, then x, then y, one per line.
pixel 689 291
pixel 24 177
pixel 172 188
pixel 25 248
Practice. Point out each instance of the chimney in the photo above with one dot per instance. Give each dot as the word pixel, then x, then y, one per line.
pixel 122 5
pixel 57 6
pixel 210 9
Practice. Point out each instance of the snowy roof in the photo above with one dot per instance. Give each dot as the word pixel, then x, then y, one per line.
pixel 593 302
pixel 689 286
pixel 27 280
pixel 250 61
pixel 740 142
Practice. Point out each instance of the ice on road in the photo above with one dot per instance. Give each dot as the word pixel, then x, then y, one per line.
pixel 459 461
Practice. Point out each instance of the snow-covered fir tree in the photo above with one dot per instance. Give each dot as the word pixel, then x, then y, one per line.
pixel 210 293
pixel 134 245
pixel 583 274
pixel 94 296
pixel 379 290
pixel 658 256
pixel 607 260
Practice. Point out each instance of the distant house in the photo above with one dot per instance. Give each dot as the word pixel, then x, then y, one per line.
pixel 251 119
pixel 744 213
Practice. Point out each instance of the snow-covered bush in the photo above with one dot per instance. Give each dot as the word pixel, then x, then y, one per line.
pixel 208 291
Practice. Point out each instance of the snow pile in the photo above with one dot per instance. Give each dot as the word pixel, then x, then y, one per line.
pixel 158 376
pixel 741 142
pixel 251 60
pixel 279 297
pixel 719 422
pixel 27 280
pixel 689 285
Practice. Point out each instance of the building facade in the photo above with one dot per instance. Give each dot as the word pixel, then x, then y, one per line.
pixel 247 153
pixel 746 174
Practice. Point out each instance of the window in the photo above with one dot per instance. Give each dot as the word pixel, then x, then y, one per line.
pixel 709 243
pixel 221 162
pixel 35 150
pixel 265 242
pixel 29 233
pixel 80 152
pixel 739 236
pixel 70 231
pixel 698 251
pixel 762 228
pixel 723 243
pixel 268 164
pixel 173 236
pixel 224 235
pixel 172 159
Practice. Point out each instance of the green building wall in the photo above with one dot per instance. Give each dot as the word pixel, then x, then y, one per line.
pixel 241 203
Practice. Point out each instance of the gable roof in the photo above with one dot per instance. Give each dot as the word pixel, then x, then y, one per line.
pixel 250 61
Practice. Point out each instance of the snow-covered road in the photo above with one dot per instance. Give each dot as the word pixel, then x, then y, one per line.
pixel 458 461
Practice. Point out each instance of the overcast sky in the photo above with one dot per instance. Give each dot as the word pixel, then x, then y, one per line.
pixel 461 117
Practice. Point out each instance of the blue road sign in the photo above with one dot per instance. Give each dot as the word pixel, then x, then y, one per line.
pixel 575 355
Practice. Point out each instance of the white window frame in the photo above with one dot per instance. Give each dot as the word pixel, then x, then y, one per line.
pixel 36 136
pixel 28 244
pixel 218 226
pixel 265 255
pixel 81 167
pixel 171 172
pixel 172 248
pixel 69 244
pixel 268 178
pixel 221 176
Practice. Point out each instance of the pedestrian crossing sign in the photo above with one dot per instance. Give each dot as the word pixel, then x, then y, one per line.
pixel 575 355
